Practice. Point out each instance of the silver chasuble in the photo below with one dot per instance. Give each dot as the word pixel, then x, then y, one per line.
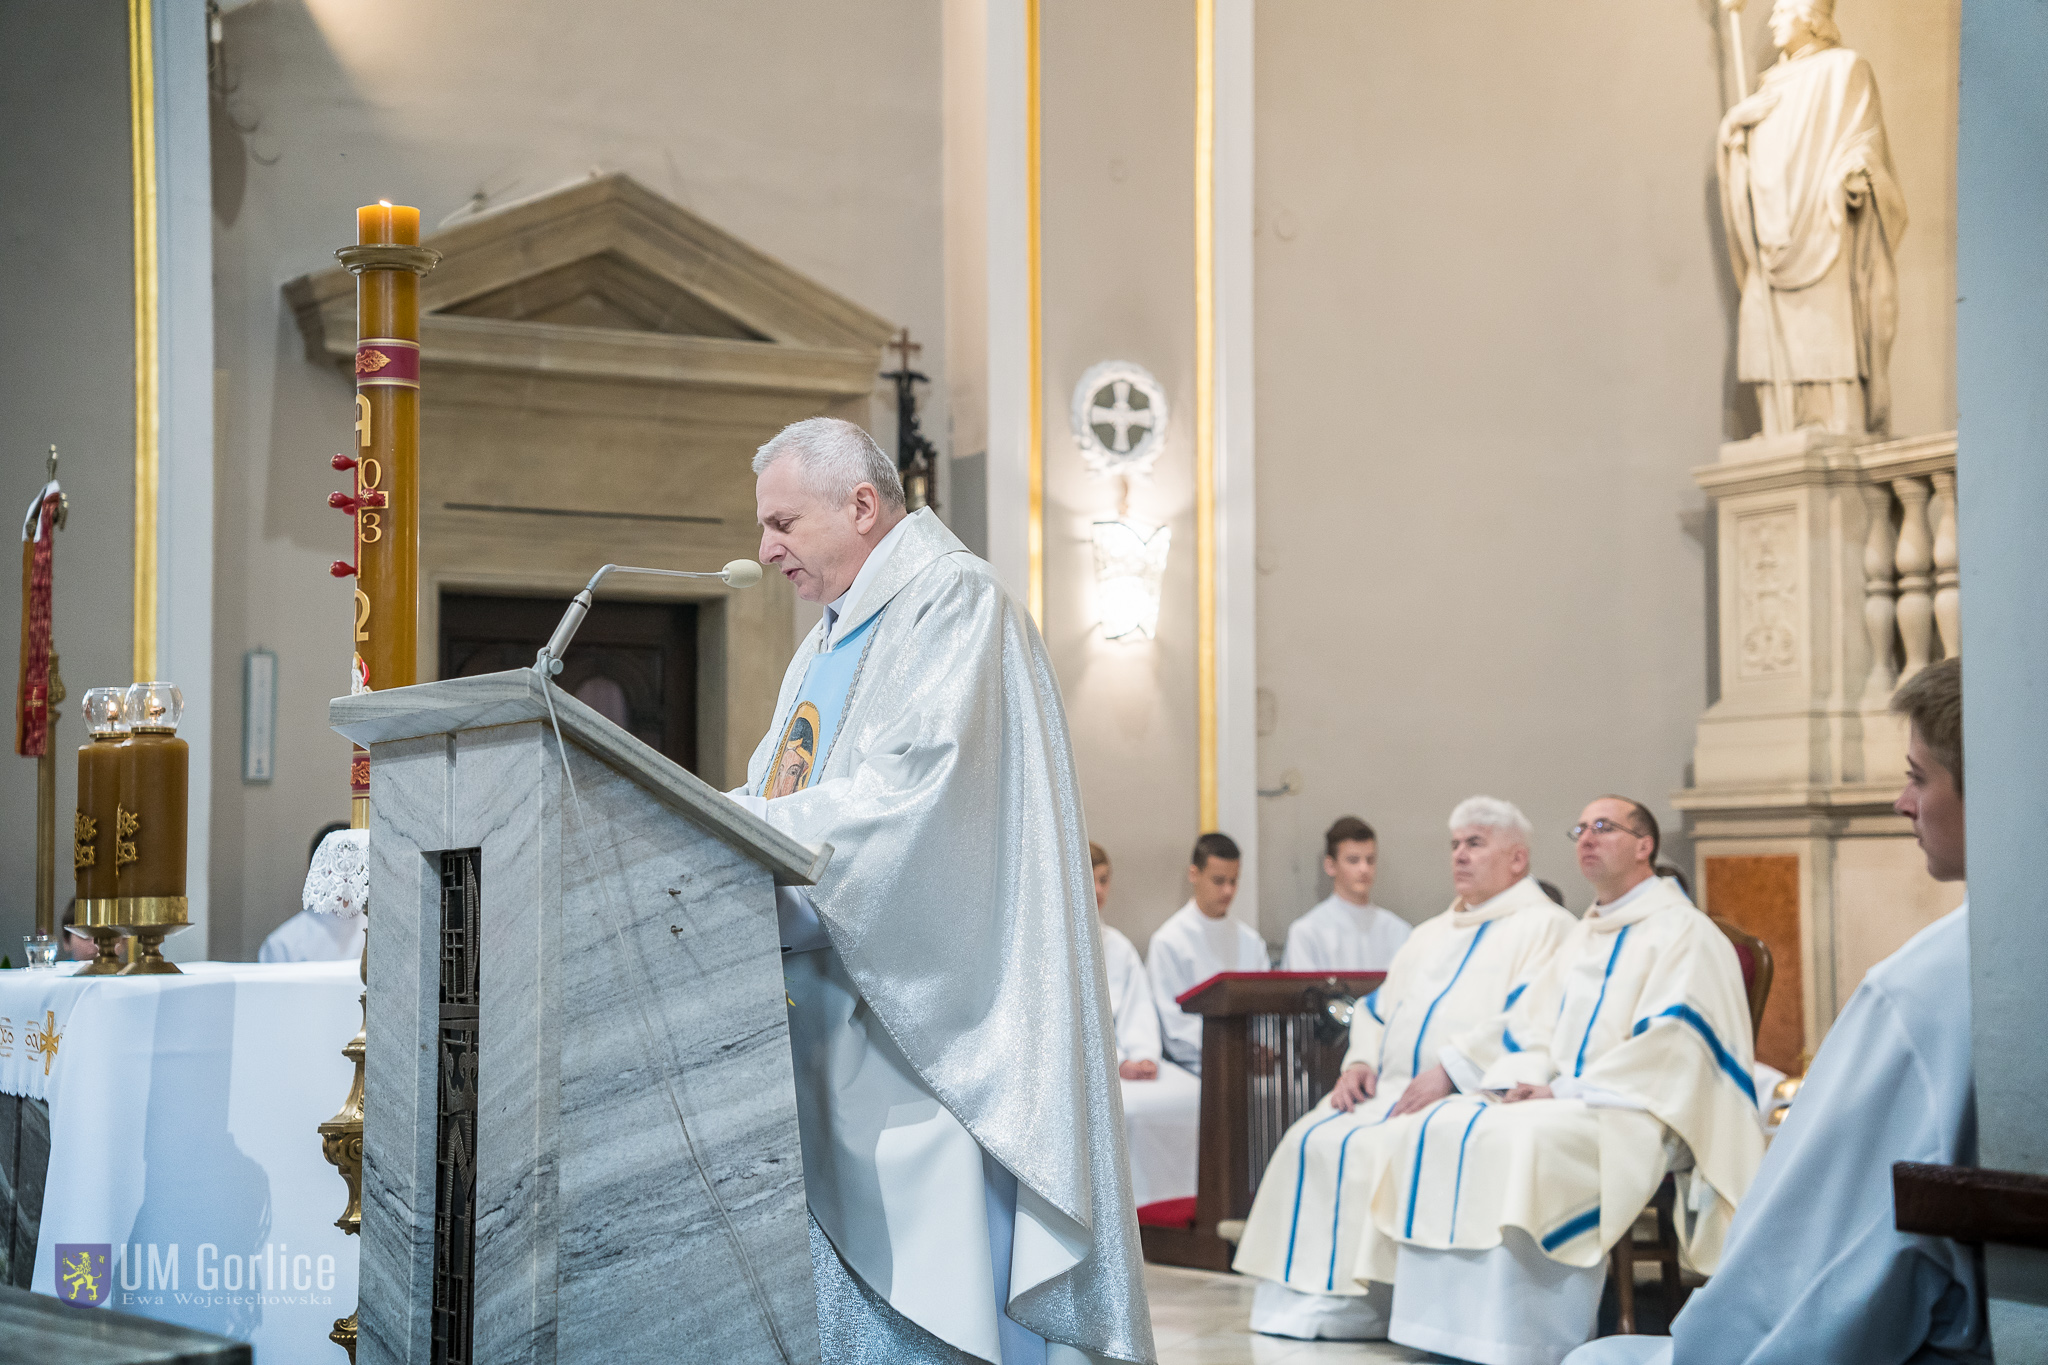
pixel 950 1021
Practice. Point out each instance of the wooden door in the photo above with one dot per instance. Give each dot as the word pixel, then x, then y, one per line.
pixel 635 663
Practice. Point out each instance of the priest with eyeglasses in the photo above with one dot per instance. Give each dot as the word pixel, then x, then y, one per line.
pixel 1543 1132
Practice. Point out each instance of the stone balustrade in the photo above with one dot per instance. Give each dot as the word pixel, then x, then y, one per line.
pixel 1912 609
pixel 1836 580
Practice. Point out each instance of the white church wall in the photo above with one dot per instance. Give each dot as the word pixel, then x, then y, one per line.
pixel 1118 206
pixel 1494 334
pixel 811 132
pixel 1913 46
pixel 67 377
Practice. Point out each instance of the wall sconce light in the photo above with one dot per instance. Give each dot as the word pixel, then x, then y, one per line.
pixel 1129 565
pixel 1119 414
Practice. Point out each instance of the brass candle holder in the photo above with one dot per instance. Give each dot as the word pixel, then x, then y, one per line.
pixel 149 825
pixel 93 848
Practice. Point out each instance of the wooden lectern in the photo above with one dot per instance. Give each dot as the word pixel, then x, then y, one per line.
pixel 580 1138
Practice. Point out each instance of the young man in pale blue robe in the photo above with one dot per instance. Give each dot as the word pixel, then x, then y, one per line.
pixel 1628 1057
pixel 1815 1267
pixel 1325 1270
pixel 956 1092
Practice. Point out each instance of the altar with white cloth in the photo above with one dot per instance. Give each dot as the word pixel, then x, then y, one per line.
pixel 182 1114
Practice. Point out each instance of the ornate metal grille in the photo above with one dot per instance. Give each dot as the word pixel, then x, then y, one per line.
pixel 455 1130
pixel 1290 1071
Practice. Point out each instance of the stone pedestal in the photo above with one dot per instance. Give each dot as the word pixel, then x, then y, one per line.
pixel 1833 555
pixel 580 1133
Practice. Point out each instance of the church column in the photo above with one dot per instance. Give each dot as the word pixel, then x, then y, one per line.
pixel 1015 346
pixel 1235 721
pixel 173 188
pixel 2001 352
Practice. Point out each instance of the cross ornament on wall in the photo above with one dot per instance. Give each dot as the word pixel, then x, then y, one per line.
pixel 1120 416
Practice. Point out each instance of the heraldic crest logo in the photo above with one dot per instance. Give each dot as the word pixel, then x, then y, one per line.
pixel 82 1276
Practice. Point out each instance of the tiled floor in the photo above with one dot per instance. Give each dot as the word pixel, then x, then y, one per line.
pixel 1199 1318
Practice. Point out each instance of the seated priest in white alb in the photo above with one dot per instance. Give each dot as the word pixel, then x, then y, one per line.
pixel 1200 940
pixel 1325 1270
pixel 1162 1103
pixel 1347 932
pixel 1815 1267
pixel 955 1067
pixel 1628 1057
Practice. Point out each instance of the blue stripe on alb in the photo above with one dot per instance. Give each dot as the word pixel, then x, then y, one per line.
pixel 1576 1227
pixel 1458 1185
pixel 1744 1082
pixel 1507 1040
pixel 1337 1206
pixel 1579 1066
pixel 1415 1063
pixel 1372 1008
pixel 1514 995
pixel 1415 1177
pixel 1300 1172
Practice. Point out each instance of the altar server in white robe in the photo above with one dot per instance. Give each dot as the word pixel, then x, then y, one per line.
pixel 1815 1267
pixel 1347 932
pixel 312 935
pixel 1324 1268
pixel 1200 940
pixel 949 1021
pixel 1162 1102
pixel 1628 1056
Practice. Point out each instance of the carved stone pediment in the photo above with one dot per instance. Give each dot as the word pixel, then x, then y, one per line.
pixel 608 280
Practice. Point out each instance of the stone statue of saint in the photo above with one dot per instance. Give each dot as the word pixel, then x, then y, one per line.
pixel 1814 215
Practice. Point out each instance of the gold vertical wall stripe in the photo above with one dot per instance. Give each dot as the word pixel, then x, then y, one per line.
pixel 1034 531
pixel 1205 406
pixel 142 143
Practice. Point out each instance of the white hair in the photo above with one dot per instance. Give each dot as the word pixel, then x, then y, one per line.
pixel 1490 812
pixel 836 457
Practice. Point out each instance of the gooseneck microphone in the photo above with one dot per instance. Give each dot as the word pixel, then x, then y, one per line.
pixel 741 573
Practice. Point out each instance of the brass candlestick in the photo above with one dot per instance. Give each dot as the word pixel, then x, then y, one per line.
pixel 341 1142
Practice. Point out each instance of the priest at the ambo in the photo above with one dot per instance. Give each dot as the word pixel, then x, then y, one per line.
pixel 955 1069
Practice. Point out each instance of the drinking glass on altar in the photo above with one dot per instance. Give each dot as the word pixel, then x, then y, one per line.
pixel 40 950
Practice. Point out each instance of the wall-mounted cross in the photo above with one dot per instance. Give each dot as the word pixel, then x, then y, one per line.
pixel 1120 416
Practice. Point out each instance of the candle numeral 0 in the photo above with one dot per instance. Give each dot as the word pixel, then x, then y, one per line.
pixel 370 472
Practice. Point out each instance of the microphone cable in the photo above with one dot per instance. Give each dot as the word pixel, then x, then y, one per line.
pixel 636 968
